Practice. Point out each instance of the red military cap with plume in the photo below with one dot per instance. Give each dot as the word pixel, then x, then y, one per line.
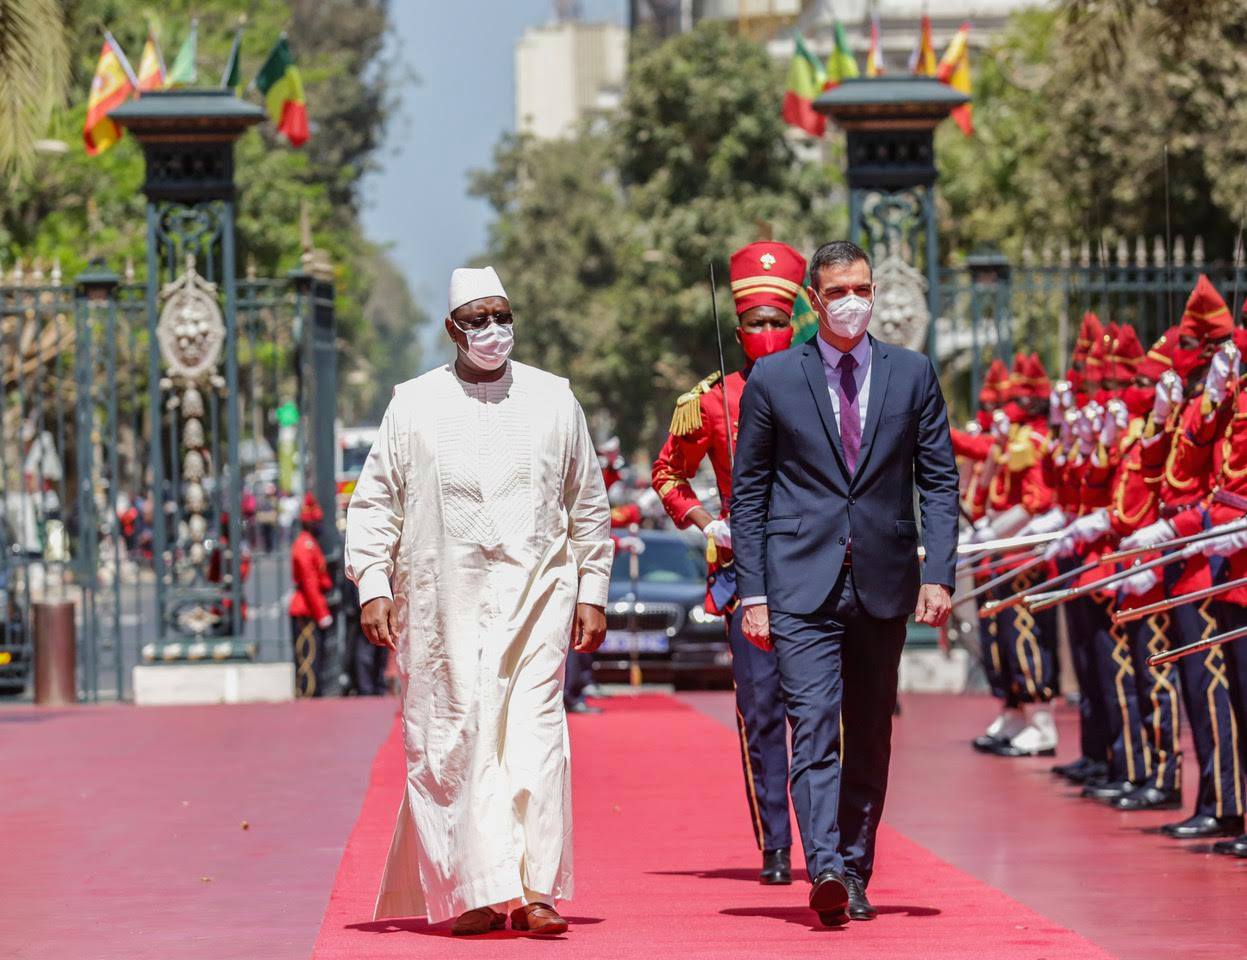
pixel 1159 357
pixel 992 391
pixel 1206 316
pixel 1037 383
pixel 1124 355
pixel 1088 333
pixel 766 274
pixel 1097 355
pixel 311 512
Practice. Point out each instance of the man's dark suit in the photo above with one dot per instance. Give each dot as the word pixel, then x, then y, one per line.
pixel 838 628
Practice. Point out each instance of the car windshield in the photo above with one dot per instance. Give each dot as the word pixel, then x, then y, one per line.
pixel 353 459
pixel 664 561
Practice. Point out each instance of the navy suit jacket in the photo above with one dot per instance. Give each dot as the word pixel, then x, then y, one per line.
pixel 795 506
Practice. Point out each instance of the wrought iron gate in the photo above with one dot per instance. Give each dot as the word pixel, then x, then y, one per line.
pixel 78 454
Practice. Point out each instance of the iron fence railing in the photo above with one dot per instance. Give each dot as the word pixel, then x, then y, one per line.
pixel 76 455
pixel 990 307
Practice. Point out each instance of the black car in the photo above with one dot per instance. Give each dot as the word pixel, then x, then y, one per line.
pixel 659 622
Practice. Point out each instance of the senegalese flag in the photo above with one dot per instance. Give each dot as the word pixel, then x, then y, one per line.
pixel 184 71
pixel 231 76
pixel 151 66
pixel 875 67
pixel 805 82
pixel 922 62
pixel 282 87
pixel 954 70
pixel 113 84
pixel 841 65
pixel 804 319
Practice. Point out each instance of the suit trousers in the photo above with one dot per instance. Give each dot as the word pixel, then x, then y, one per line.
pixel 763 736
pixel 838 670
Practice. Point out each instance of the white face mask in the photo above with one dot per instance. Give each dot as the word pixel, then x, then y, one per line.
pixel 847 317
pixel 488 349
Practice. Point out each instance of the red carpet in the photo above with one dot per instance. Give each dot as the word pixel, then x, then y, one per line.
pixel 665 867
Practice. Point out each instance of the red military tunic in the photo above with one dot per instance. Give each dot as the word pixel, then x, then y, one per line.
pixel 311 578
pixel 698 430
pixel 1191 471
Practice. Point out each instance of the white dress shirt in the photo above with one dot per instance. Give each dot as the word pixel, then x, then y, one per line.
pixel 861 373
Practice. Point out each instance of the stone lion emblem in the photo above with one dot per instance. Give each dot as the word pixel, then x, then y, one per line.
pixel 901 315
pixel 191 330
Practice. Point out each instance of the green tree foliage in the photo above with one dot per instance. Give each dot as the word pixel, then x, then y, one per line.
pixel 34 61
pixel 1075 109
pixel 73 207
pixel 603 239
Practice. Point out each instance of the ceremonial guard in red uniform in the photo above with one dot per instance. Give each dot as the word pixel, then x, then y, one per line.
pixel 309 606
pixel 1191 472
pixel 766 280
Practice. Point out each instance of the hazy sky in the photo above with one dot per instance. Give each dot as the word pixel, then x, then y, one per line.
pixel 449 122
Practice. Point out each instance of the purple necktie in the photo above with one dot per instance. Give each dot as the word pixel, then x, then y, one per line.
pixel 850 417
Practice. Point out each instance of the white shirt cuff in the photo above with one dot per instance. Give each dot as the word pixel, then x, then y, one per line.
pixel 374 583
pixel 752 601
pixel 594 589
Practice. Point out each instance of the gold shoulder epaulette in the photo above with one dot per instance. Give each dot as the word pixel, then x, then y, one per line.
pixel 687 415
pixel 1020 453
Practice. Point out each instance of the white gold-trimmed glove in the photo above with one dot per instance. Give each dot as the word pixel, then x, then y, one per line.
pixel 1149 536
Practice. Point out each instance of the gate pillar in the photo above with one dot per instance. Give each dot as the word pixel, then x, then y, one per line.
pixel 890 126
pixel 188 139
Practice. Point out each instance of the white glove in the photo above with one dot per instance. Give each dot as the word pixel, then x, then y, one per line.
pixel 1149 536
pixel 1168 396
pixel 720 531
pixel 1116 420
pixel 1224 545
pixel 973 428
pixel 1062 546
pixel 1049 522
pixel 1090 527
pixel 1089 423
pixel 1067 424
pixel 982 531
pixel 325 622
pixel 1000 426
pixel 1138 583
pixel 1224 367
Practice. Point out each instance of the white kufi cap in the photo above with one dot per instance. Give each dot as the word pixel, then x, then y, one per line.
pixel 468 284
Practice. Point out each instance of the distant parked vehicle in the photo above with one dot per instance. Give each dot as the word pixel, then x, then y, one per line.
pixel 664 620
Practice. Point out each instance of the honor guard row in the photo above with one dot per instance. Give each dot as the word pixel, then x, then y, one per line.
pixel 1116 497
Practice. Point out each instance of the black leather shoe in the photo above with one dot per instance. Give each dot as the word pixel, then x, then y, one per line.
pixel 1236 847
pixel 829 897
pixel 985 744
pixel 859 906
pixel 1092 770
pixel 1203 827
pixel 1108 792
pixel 776 867
pixel 1150 798
pixel 1074 770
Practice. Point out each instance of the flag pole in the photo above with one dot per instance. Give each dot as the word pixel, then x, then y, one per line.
pixel 121 58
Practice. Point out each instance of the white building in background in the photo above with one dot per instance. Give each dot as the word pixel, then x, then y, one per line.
pixel 564 72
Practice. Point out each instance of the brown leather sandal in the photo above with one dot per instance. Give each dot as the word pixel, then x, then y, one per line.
pixel 539 919
pixel 479 921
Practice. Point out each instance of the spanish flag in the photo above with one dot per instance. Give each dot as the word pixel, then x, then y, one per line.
pixel 114 83
pixel 922 62
pixel 151 66
pixel 282 87
pixel 954 70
